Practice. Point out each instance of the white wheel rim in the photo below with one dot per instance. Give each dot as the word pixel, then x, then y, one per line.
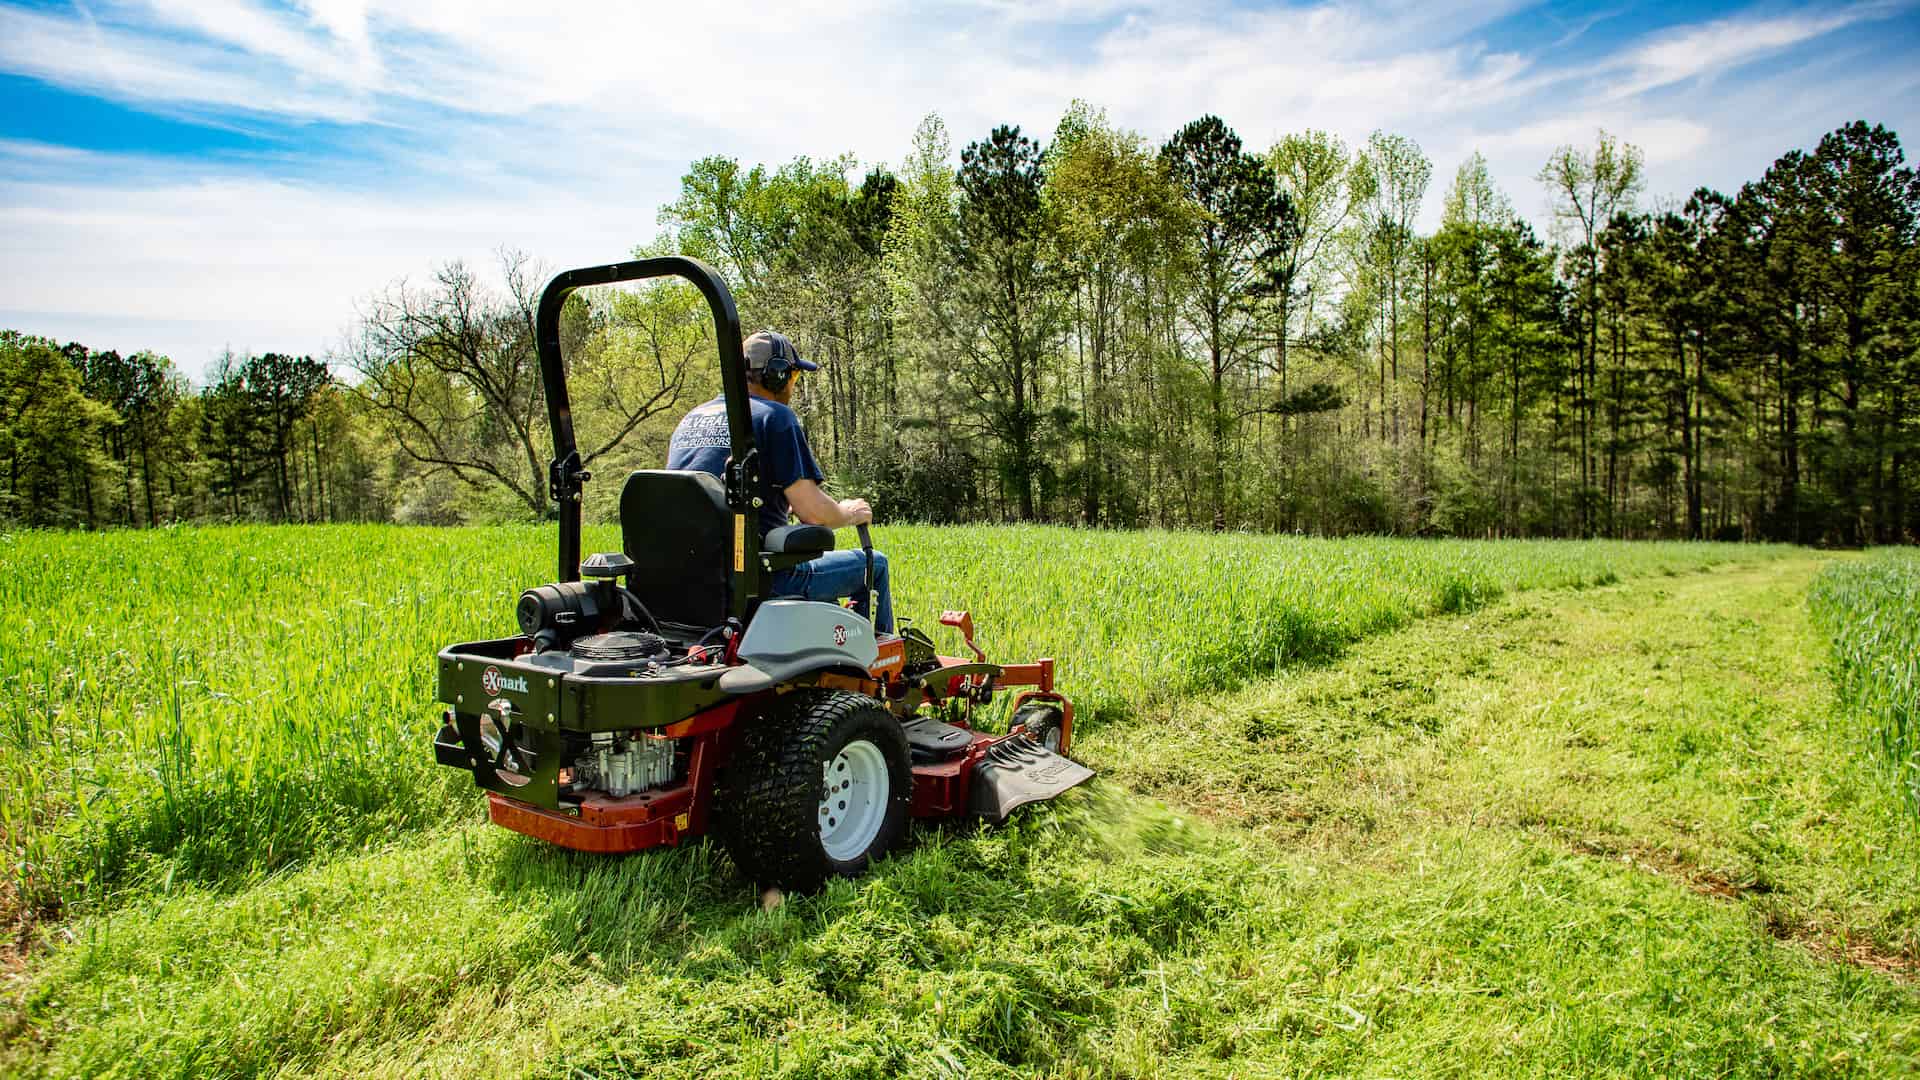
pixel 853 803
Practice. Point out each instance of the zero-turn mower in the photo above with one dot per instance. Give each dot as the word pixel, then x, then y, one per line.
pixel 658 692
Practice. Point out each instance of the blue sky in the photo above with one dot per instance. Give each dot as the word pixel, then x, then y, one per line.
pixel 192 175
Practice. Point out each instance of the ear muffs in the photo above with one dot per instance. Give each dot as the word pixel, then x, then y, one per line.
pixel 779 369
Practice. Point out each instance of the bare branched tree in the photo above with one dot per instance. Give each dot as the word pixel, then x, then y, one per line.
pixel 452 371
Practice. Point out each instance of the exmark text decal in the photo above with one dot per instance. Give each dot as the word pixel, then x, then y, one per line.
pixel 493 682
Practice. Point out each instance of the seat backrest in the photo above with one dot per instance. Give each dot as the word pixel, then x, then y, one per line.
pixel 677 529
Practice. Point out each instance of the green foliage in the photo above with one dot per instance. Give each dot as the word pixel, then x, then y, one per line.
pixel 450 375
pixel 1242 228
pixel 1000 309
pixel 48 428
pixel 1121 330
pixel 256 407
pixel 1870 608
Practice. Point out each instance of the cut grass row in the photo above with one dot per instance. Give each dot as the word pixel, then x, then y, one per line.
pixel 1870 610
pixel 202 705
pixel 1083 941
pixel 1470 848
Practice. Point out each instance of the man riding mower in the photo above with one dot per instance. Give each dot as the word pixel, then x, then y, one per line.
pixel 670 688
pixel 789 478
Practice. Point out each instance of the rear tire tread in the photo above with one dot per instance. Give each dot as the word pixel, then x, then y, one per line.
pixel 768 805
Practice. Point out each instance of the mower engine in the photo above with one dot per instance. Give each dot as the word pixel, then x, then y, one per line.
pixel 621 764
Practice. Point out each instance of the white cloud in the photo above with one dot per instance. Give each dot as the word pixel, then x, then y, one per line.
pixel 1722 45
pixel 142 67
pixel 810 75
pixel 262 33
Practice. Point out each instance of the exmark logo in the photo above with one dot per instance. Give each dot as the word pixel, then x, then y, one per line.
pixel 839 635
pixel 493 682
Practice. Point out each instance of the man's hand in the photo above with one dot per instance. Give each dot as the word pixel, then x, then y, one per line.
pixel 857 511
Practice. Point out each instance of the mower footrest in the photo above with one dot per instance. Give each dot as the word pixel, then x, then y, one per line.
pixel 930 740
pixel 1014 772
pixel 449 750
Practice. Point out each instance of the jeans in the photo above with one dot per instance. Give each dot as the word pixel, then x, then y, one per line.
pixel 837 574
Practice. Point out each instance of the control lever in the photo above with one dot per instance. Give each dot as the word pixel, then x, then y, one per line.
pixel 866 545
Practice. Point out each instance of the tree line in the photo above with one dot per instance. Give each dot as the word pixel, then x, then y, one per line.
pixel 94 439
pixel 1107 330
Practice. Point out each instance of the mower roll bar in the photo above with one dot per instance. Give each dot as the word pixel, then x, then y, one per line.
pixel 567 474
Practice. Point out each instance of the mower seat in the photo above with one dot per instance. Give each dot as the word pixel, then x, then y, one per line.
pixel 677 529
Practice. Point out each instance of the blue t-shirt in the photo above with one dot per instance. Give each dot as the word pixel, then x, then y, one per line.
pixel 701 442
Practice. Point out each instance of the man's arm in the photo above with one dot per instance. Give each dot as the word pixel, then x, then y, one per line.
pixel 815 507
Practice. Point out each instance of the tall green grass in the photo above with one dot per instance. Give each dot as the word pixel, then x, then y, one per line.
pixel 210 704
pixel 1870 609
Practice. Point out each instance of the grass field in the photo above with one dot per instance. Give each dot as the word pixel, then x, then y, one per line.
pixel 1525 809
pixel 1870 609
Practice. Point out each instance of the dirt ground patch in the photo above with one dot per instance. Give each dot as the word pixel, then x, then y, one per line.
pixel 13 932
pixel 1864 954
pixel 1843 946
pixel 1672 864
pixel 1837 946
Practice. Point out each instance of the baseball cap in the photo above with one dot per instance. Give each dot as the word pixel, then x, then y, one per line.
pixel 765 345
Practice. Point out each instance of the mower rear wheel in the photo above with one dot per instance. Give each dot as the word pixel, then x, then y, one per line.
pixel 821 788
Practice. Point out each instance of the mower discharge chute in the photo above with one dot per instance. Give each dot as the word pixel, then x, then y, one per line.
pixel 659 692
